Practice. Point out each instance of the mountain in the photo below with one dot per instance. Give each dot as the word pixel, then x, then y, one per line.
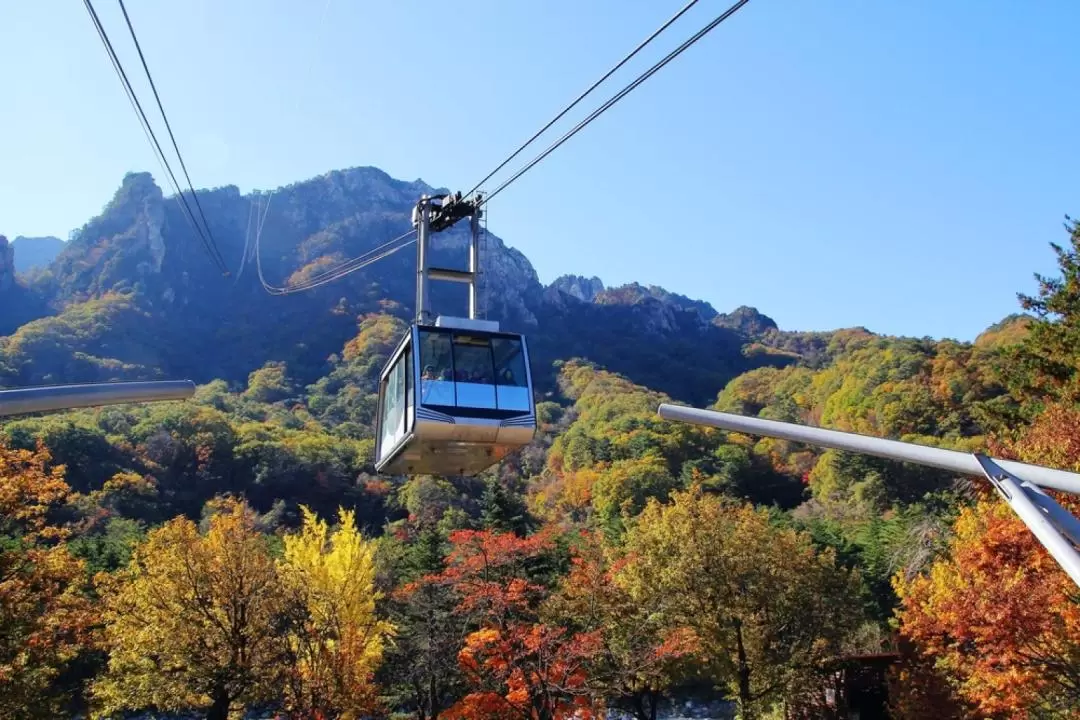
pixel 284 422
pixel 35 252
pixel 173 315
pixel 7 264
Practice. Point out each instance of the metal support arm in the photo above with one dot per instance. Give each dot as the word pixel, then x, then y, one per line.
pixel 435 214
pixel 21 401
pixel 1042 517
pixel 1018 483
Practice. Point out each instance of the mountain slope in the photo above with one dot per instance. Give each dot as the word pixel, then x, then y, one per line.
pixel 192 322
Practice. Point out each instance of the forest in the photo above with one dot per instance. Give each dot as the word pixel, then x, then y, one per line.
pixel 237 553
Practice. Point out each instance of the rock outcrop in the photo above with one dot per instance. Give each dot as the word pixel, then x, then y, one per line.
pixel 7 264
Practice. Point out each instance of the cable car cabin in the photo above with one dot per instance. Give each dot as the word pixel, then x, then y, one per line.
pixel 454 400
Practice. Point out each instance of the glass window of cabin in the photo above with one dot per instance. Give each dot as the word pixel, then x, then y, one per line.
pixel 511 378
pixel 393 409
pixel 436 369
pixel 410 390
pixel 474 371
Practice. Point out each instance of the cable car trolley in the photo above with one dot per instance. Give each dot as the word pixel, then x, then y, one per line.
pixel 456 395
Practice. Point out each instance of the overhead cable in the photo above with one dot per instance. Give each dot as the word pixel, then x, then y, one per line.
pixel 149 131
pixel 337 272
pixel 616 98
pixel 168 127
pixel 585 94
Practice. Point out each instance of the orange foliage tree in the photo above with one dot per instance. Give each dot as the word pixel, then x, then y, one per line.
pixel 640 654
pixel 45 619
pixel 517 667
pixel 997 612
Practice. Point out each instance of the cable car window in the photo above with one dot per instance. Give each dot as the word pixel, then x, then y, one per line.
pixel 474 371
pixel 393 410
pixel 410 390
pixel 437 369
pixel 511 378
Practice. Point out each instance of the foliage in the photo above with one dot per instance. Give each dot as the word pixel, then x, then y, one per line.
pixel 337 639
pixel 190 622
pixel 46 618
pixel 640 654
pixel 996 611
pixel 515 665
pixel 764 603
pixel 612 560
pixel 1045 364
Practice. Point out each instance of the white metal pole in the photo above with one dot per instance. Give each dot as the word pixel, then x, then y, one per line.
pixel 22 401
pixel 422 260
pixel 1040 525
pixel 474 260
pixel 952 460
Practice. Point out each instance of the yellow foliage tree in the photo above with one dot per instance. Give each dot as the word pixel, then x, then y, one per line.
pixel 336 641
pixel 192 621
pixel 764 604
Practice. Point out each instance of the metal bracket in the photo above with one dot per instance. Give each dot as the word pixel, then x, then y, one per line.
pixel 1055 528
pixel 435 214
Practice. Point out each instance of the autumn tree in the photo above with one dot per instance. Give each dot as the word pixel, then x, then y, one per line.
pixel 45 616
pixel 516 666
pixel 996 611
pixel 335 641
pixel 765 605
pixel 639 655
pixel 192 621
pixel 421 669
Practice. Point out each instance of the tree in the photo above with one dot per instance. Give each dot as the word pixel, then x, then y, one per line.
pixel 1046 362
pixel 503 510
pixel 639 655
pixel 45 615
pixel 766 607
pixel 422 670
pixel 996 611
pixel 336 639
pixel 192 622
pixel 516 666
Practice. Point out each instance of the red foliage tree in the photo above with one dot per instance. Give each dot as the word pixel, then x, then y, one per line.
pixel 517 667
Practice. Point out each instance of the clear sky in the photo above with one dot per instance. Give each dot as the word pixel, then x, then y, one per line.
pixel 897 165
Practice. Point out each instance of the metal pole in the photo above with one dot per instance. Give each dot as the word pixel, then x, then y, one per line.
pixel 65 397
pixel 951 460
pixel 474 260
pixel 1010 489
pixel 1059 516
pixel 422 238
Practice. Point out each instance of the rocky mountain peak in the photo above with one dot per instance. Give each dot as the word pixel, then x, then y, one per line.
pixel 7 264
pixel 578 286
pixel 746 320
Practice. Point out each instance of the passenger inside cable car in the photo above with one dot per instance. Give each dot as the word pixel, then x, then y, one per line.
pixel 476 371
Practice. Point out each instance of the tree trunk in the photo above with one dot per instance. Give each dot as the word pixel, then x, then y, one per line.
pixel 418 695
pixel 433 694
pixel 220 709
pixel 745 711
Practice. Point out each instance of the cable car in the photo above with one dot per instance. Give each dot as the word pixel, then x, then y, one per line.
pixel 455 398
pixel 456 395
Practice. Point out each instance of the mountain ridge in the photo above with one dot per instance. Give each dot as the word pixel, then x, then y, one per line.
pixel 181 318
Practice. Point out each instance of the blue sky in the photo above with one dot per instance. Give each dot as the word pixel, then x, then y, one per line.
pixel 897 165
